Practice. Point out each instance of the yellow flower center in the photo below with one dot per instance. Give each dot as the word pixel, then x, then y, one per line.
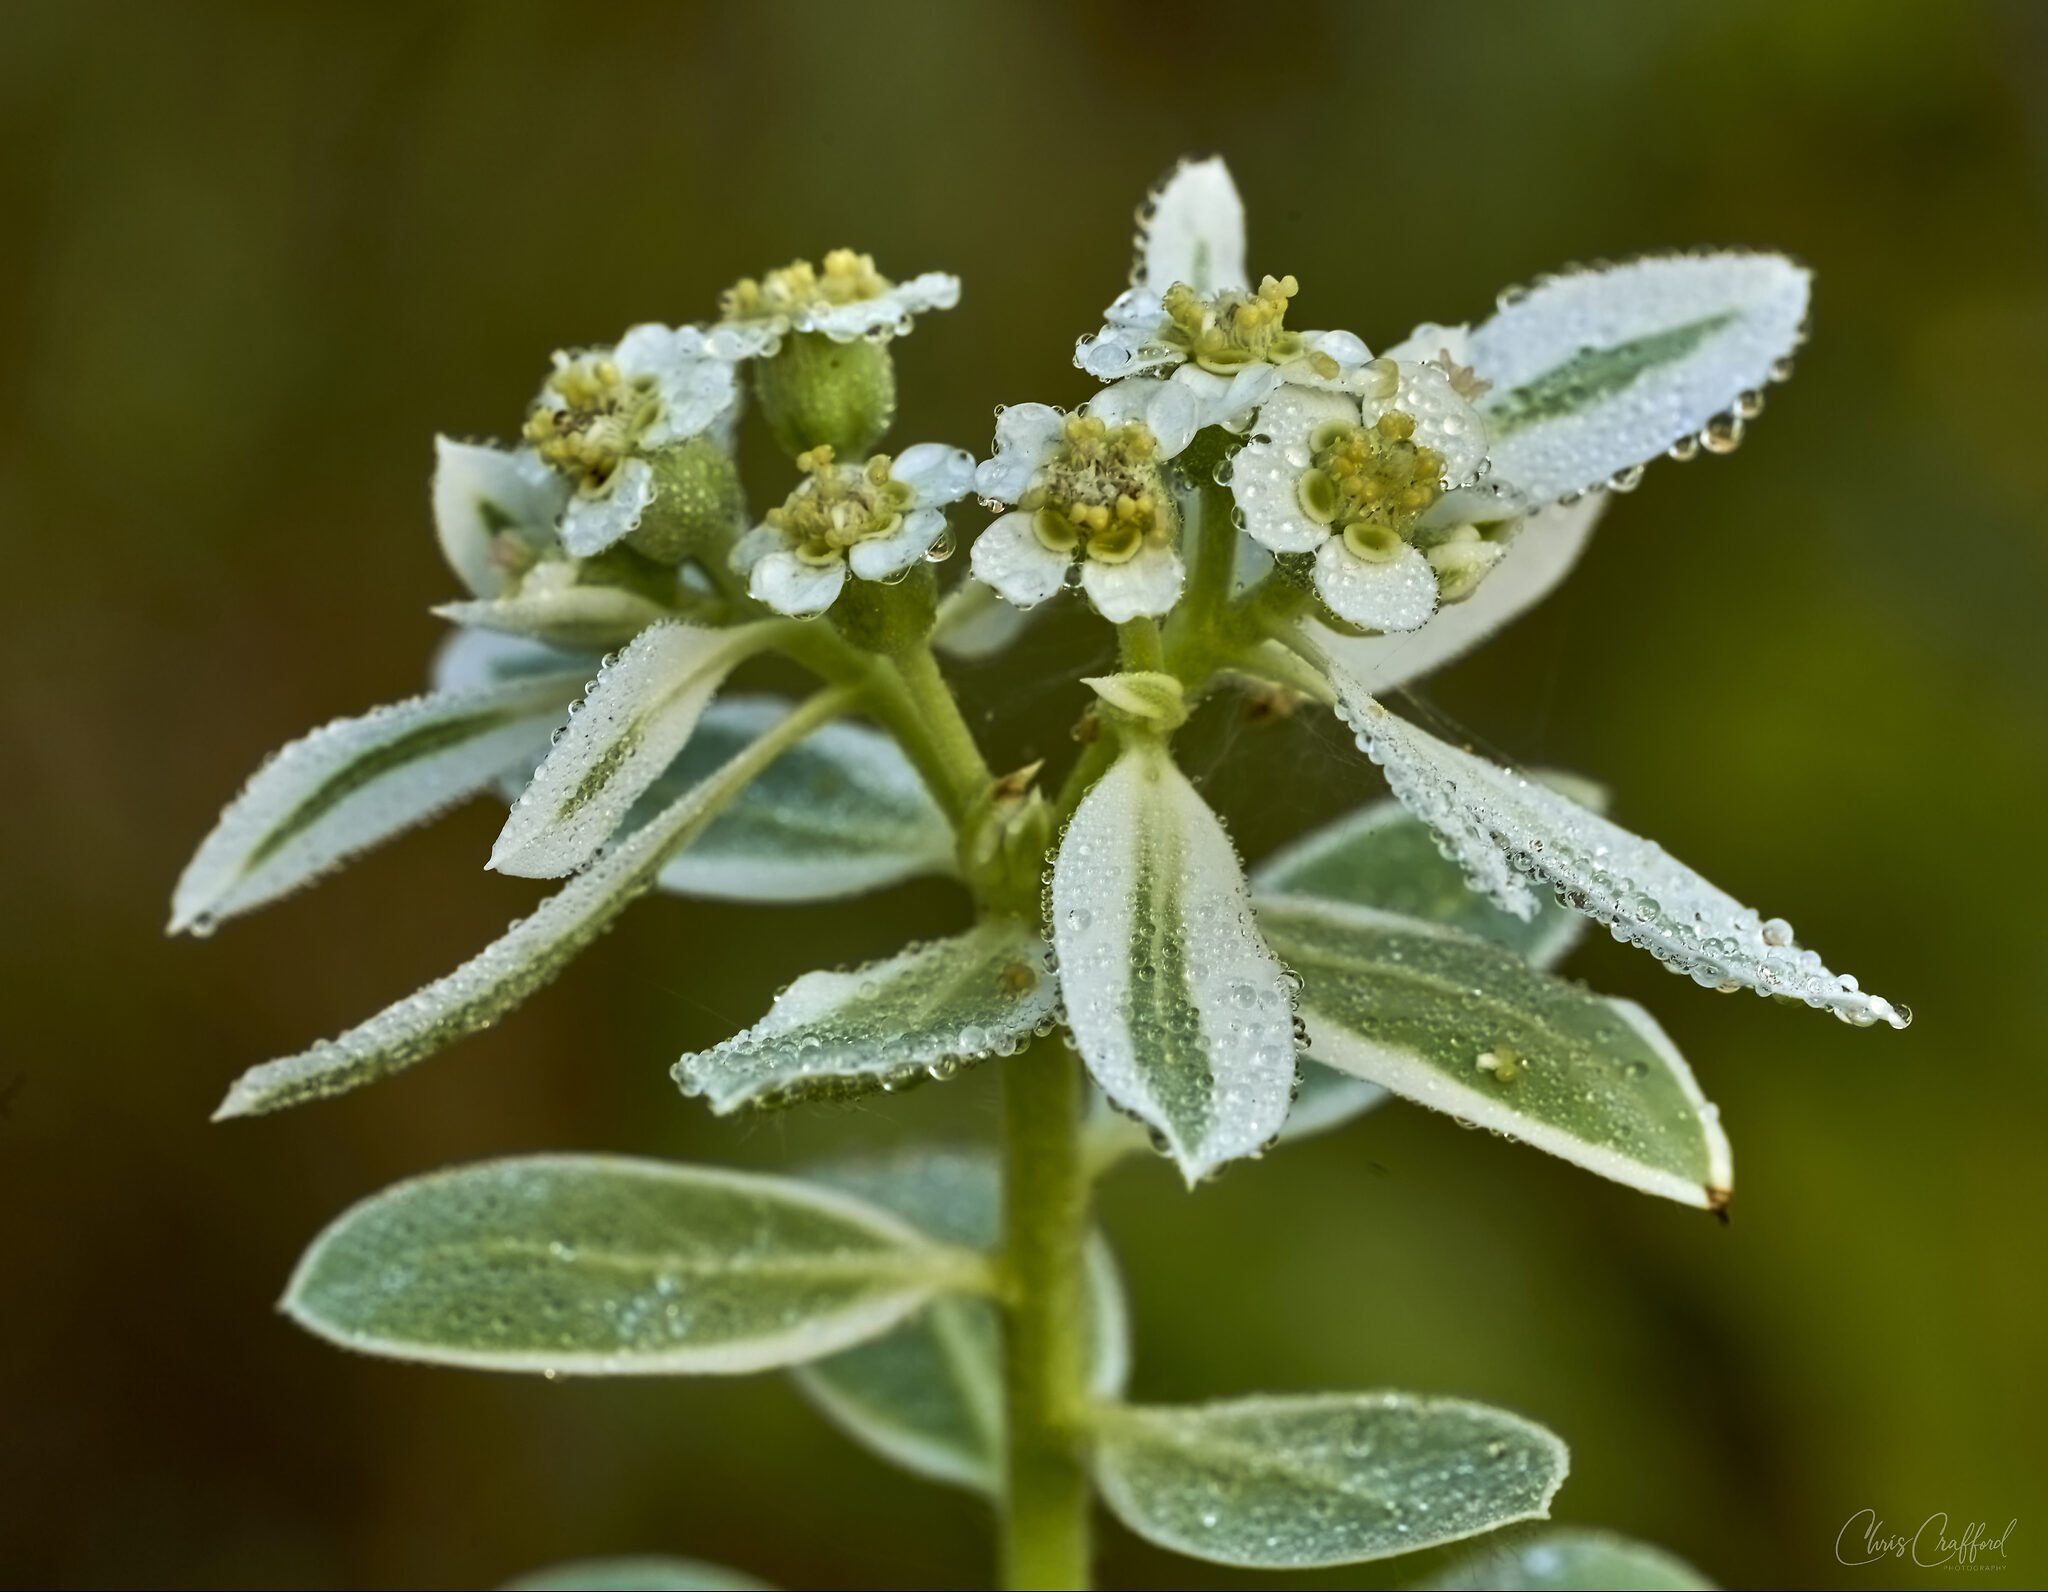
pixel 1229 330
pixel 847 278
pixel 600 418
pixel 1370 484
pixel 1101 493
pixel 839 505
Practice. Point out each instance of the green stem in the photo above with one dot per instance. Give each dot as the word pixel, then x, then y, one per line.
pixel 936 712
pixel 1045 1500
pixel 1139 644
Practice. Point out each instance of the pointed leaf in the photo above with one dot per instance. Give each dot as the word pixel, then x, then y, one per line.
pixel 355 783
pixel 839 814
pixel 644 1573
pixel 1465 1027
pixel 604 1265
pixel 975 623
pixel 1504 826
pixel 1570 1561
pixel 1179 1009
pixel 927 1011
pixel 1542 552
pixel 1191 230
pixel 594 617
pixel 483 495
pixel 929 1396
pixel 1300 1483
pixel 506 972
pixel 1380 856
pixel 471 658
pixel 1596 372
pixel 639 712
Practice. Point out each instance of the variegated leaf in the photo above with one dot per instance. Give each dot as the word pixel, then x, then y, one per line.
pixel 1192 230
pixel 1569 1560
pixel 489 502
pixel 591 617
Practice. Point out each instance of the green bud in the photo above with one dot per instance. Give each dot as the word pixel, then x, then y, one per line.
pixel 1003 840
pixel 697 501
pixel 1142 700
pixel 887 616
pixel 815 392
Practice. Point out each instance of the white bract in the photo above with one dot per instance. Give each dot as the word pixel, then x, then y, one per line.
pixel 605 412
pixel 495 511
pixel 847 300
pixel 872 521
pixel 1092 504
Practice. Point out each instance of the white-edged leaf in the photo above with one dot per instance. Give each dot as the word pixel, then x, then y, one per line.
pixel 1322 1479
pixel 502 975
pixel 1506 829
pixel 594 617
pixel 608 1266
pixel 1596 372
pixel 357 782
pixel 1468 1028
pixel 840 813
pixel 1191 229
pixel 1542 552
pixel 637 715
pixel 484 496
pixel 471 658
pixel 975 623
pixel 1181 1012
pixel 635 1573
pixel 1569 1560
pixel 928 1011
pixel 929 1395
pixel 1381 855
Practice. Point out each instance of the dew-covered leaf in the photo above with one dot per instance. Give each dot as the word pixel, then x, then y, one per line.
pixel 1465 1027
pixel 636 717
pixel 605 1265
pixel 928 1011
pixel 489 502
pixel 1191 230
pixel 1597 372
pixel 471 658
pixel 355 783
pixel 502 975
pixel 1380 855
pixel 1542 552
pixel 594 617
pixel 928 1396
pixel 637 1573
pixel 1569 1560
pixel 840 813
pixel 1316 1480
pixel 1176 1004
pixel 1507 829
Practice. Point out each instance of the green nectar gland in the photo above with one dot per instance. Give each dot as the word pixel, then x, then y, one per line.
pixel 601 417
pixel 1101 493
pixel 838 506
pixel 1370 483
pixel 1231 329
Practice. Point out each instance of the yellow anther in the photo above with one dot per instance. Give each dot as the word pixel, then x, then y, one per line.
pixel 1367 480
pixel 848 277
pixel 837 506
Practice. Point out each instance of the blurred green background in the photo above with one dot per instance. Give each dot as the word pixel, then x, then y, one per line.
pixel 257 256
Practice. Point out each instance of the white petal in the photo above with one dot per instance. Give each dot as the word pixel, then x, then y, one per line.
pixel 884 556
pixel 1395 596
pixel 1129 341
pixel 697 386
pixel 889 315
pixel 480 491
pixel 596 521
pixel 1025 437
pixel 756 545
pixel 1229 401
pixel 1541 554
pixel 1430 342
pixel 790 586
pixel 1194 232
pixel 1443 420
pixel 737 340
pixel 936 473
pixel 1146 585
pixel 1010 557
pixel 1265 478
pixel 1169 410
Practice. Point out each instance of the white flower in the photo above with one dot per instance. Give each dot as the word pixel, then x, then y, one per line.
pixel 873 520
pixel 1358 482
pixel 847 300
pixel 1089 494
pixel 603 412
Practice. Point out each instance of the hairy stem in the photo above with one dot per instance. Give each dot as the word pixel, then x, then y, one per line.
pixel 1139 645
pixel 935 716
pixel 1045 1500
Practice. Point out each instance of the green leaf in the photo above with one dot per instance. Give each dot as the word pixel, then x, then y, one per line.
pixel 501 976
pixel 603 1265
pixel 841 813
pixel 647 1573
pixel 355 783
pixel 1178 1007
pixel 1570 1561
pixel 1315 1480
pixel 927 1011
pixel 596 617
pixel 640 710
pixel 929 1396
pixel 1379 856
pixel 1465 1027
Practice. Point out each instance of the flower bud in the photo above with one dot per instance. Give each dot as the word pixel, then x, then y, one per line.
pixel 816 392
pixel 1142 700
